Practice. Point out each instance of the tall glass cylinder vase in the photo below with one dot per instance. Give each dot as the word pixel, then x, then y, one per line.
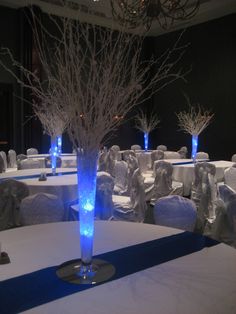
pixel 194 147
pixel 54 154
pixel 86 270
pixel 87 177
pixel 146 140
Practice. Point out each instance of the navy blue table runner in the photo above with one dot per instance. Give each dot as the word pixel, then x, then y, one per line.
pixel 30 290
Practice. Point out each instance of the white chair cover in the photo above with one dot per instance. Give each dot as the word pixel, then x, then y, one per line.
pixel 132 208
pixel 110 162
pixel 4 157
pixel 162 147
pixel 115 147
pixel 21 157
pixel 183 152
pixel 163 184
pixel 226 193
pixel 202 155
pixel 233 158
pixel 2 166
pixel 12 158
pixel 32 151
pixel 102 161
pixel 127 153
pixel 143 161
pixel 104 204
pixel 29 164
pixel 230 177
pixel 156 155
pixel 117 152
pixel 171 155
pixel 175 211
pixel 41 208
pixel 204 190
pixel 132 163
pixel 48 162
pixel 135 147
pixel 121 177
pixel 11 194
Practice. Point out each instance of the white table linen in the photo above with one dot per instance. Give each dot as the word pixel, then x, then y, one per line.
pixel 200 283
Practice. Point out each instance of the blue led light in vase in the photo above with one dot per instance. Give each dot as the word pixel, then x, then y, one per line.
pixel 146 140
pixel 54 154
pixel 59 144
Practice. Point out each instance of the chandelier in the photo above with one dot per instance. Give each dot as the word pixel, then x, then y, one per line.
pixel 135 13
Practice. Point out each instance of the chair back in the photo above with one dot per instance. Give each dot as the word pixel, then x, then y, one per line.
pixel 156 155
pixel 41 208
pixel 12 158
pixel 127 153
pixel 175 211
pixel 171 155
pixel 226 193
pixel 4 157
pixel 12 192
pixel 2 166
pixel 202 155
pixel 162 147
pixel 104 204
pixel 233 158
pixel 121 177
pixel 135 147
pixel 183 152
pixel 230 177
pixel 32 151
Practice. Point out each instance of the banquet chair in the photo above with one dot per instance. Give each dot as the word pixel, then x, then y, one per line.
pixel 133 207
pixel 175 211
pixel 121 177
pixel 230 177
pixel 127 153
pixel 204 190
pixel 48 162
pixel 21 157
pixel 162 147
pixel 12 193
pixel 103 202
pixel 109 162
pixel 135 147
pixel 223 227
pixel 143 161
pixel 183 152
pixel 171 155
pixel 233 158
pixel 102 161
pixel 202 155
pixel 29 164
pixel 163 184
pixel 2 166
pixel 132 163
pixel 116 151
pixel 41 208
pixel 156 155
pixel 4 157
pixel 226 193
pixel 12 158
pixel 32 151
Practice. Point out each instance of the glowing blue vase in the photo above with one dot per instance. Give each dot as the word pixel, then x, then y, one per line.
pixel 54 154
pixel 59 144
pixel 194 147
pixel 87 177
pixel 146 140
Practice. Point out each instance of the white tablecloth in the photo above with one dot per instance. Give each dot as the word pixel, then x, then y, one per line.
pixel 200 283
pixel 67 160
pixel 185 173
pixel 64 186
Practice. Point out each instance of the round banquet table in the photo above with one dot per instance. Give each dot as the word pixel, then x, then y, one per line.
pixel 185 173
pixel 199 283
pixel 33 172
pixel 64 186
pixel 67 160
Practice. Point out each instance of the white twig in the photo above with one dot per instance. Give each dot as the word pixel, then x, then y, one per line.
pixel 146 122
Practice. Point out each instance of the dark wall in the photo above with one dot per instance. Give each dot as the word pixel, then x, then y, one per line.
pixel 211 83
